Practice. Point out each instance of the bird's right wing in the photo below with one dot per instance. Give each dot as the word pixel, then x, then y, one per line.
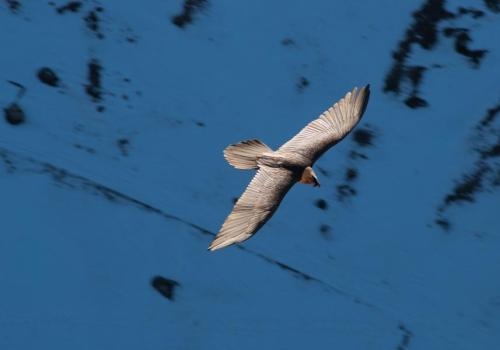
pixel 331 127
pixel 255 206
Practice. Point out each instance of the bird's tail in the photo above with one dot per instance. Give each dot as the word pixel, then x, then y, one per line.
pixel 244 155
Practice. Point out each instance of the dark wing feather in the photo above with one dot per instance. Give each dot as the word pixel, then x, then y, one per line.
pixel 331 127
pixel 255 206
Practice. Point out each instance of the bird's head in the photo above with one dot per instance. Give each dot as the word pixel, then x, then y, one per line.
pixel 309 177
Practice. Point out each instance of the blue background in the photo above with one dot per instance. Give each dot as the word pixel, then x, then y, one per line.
pixel 116 175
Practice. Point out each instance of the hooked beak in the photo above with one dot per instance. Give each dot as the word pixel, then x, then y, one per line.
pixel 316 182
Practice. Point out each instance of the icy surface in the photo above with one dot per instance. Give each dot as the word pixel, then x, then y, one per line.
pixel 113 181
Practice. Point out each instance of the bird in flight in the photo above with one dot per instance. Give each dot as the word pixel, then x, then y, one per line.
pixel 278 171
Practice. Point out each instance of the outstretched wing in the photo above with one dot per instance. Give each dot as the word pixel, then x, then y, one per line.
pixel 255 206
pixel 331 127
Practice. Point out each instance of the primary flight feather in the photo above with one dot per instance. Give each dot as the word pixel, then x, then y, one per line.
pixel 278 171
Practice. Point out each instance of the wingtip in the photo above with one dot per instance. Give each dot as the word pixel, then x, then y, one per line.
pixel 219 244
pixel 365 88
pixel 214 246
pixel 211 248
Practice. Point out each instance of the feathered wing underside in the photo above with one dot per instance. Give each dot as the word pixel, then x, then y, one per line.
pixel 331 127
pixel 255 206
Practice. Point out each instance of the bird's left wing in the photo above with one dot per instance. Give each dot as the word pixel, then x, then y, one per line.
pixel 331 127
pixel 255 206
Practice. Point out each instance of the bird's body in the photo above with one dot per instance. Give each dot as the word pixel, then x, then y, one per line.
pixel 278 171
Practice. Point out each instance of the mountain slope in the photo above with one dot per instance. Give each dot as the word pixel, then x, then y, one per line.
pixel 114 183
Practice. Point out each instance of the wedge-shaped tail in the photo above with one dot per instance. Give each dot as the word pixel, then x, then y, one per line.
pixel 244 155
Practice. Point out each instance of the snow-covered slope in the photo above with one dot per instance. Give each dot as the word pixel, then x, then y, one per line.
pixel 113 184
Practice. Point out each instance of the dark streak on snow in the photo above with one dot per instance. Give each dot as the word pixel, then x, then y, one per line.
pixel 189 8
pixel 302 84
pixel 351 174
pixel 321 204
pixel 165 286
pixel 306 277
pixel 363 137
pixel 414 101
pixel 490 116
pixel 123 144
pixel 465 189
pixel 424 32
pixel 87 149
pixel 406 337
pixel 325 230
pixel 14 114
pixel 443 223
pixel 9 165
pixel 474 13
pixel 415 75
pixel 345 191
pixel 21 88
pixel 357 155
pixel 71 6
pixel 93 88
pixel 92 21
pixel 493 5
pixel 462 40
pixel 484 174
pixel 323 171
pixel 296 273
pixel 48 76
pixel 288 42
pixel 62 177
pixel 492 152
pixel 14 5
